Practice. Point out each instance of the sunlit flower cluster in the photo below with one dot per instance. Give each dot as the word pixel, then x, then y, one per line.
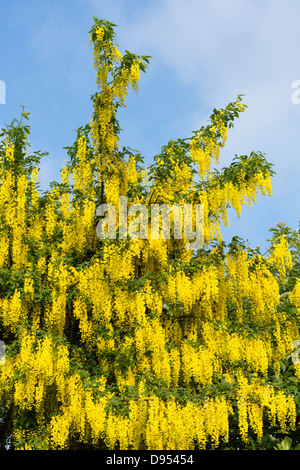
pixel 134 343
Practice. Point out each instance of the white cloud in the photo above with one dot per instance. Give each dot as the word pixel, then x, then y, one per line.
pixel 225 48
pixel 213 49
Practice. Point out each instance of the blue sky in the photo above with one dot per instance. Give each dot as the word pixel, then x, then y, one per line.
pixel 204 53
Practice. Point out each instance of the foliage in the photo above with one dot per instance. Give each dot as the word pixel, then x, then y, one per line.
pixel 141 343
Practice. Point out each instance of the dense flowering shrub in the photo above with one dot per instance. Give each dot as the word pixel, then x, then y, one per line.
pixel 140 343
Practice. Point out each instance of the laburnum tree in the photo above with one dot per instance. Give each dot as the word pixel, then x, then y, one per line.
pixel 140 343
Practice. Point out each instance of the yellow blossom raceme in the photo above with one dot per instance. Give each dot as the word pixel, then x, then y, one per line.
pixel 55 316
pixel 7 197
pixel 111 431
pixel 263 183
pixel 154 339
pixel 138 418
pixel 65 202
pixel 82 173
pixel 199 365
pixel 34 192
pixel 154 435
pixel 222 129
pixel 135 75
pixel 4 248
pixel 295 296
pixel 112 192
pixel 19 247
pixel 257 353
pixel 264 293
pixel 40 368
pixel 200 156
pixel 21 200
pixel 183 286
pixel 59 431
pixel 51 219
pixel 156 254
pixel 116 54
pixel 242 407
pixel 121 84
pixel 117 262
pixel 281 257
pixel 285 410
pixel 255 412
pixel 132 174
pixel 99 34
pixel 216 413
pixel 238 282
pixel 29 286
pixel 12 310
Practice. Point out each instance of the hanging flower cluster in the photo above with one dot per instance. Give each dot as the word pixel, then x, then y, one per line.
pixel 137 343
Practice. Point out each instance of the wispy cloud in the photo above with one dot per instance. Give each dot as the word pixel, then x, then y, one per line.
pixel 225 48
pixel 204 53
